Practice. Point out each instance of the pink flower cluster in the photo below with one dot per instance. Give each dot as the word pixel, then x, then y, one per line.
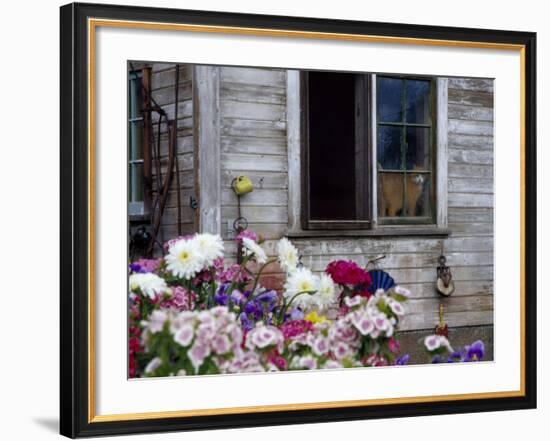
pixel 181 299
pixel 249 234
pixel 346 272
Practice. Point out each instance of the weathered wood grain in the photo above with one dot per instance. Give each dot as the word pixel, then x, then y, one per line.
pixel 471 200
pixel 454 319
pixel 242 162
pixel 266 146
pixel 464 170
pixel 259 197
pixel 252 111
pixel 463 141
pixel 461 112
pixel 258 76
pixel 472 84
pixel 469 127
pixel 470 98
pixel 471 214
pixel 252 93
pixel 470 185
pixel 253 128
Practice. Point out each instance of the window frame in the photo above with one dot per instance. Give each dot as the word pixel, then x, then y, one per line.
pixel 140 210
pixel 298 223
pixel 409 220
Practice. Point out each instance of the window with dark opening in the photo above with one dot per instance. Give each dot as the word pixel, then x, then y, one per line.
pixel 337 150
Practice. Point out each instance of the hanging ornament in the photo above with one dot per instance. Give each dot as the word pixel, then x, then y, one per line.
pixel 445 284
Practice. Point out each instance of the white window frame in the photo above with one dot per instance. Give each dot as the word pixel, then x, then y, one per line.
pixel 294 145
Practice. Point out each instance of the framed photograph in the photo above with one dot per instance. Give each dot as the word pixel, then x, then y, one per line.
pixel 275 220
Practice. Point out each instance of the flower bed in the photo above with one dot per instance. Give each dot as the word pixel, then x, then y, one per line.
pixel 192 314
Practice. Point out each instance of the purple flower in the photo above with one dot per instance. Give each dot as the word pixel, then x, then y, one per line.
pixel 296 314
pixel 475 352
pixel 266 300
pixel 403 360
pixel 136 268
pixel 246 323
pixel 221 298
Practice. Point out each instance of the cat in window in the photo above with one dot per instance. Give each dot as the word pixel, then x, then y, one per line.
pixel 390 195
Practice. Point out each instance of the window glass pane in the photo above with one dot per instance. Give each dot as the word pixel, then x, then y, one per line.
pixel 134 99
pixel 136 182
pixel 389 147
pixel 332 146
pixel 390 194
pixel 417 194
pixel 418 148
pixel 388 97
pixel 418 101
pixel 136 144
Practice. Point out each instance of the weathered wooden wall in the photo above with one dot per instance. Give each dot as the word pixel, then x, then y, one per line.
pixel 163 80
pixel 253 141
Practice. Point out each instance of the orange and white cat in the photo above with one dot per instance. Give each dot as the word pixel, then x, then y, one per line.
pixel 390 196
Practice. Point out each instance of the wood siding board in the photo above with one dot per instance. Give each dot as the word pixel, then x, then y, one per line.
pixel 244 162
pixel 469 127
pixel 472 84
pixel 206 81
pixel 250 145
pixel 470 98
pixel 478 142
pixel 253 128
pixel 253 93
pixel 257 76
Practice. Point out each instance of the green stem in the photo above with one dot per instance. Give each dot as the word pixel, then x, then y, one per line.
pixel 269 262
pixel 287 305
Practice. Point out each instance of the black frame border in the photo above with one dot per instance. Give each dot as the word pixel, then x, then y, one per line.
pixel 74 219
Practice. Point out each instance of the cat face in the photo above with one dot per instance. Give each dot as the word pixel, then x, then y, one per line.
pixel 419 180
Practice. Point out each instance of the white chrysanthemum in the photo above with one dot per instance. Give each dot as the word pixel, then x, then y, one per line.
pixel 148 283
pixel 287 255
pixel 300 281
pixel 210 246
pixel 251 248
pixel 325 295
pixel 184 259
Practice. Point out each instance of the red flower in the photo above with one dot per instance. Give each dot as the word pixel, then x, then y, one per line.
pixel 346 272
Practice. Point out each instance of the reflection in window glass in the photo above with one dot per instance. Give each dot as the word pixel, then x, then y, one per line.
pixel 418 148
pixel 390 140
pixel 389 99
pixel 418 101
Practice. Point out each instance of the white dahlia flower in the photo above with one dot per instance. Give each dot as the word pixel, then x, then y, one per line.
pixel 210 246
pixel 148 283
pixel 251 248
pixel 184 259
pixel 287 255
pixel 301 281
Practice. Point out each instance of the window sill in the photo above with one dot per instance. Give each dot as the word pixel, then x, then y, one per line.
pixel 385 231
